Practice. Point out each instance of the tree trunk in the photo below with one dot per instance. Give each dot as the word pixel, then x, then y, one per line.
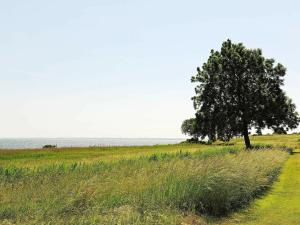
pixel 246 137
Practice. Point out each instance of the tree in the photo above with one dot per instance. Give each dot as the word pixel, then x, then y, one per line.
pixel 239 89
pixel 189 127
pixel 279 130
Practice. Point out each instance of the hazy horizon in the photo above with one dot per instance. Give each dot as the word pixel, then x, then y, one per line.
pixel 30 143
pixel 122 69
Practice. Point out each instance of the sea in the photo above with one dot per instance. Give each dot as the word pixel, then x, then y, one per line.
pixel 29 143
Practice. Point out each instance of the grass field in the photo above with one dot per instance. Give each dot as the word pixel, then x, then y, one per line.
pixel 169 184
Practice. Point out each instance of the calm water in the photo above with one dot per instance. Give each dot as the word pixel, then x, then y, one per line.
pixel 17 143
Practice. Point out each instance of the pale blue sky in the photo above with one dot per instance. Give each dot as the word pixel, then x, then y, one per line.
pixel 112 68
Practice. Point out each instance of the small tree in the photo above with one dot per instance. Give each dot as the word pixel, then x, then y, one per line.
pixel 279 130
pixel 237 89
pixel 189 127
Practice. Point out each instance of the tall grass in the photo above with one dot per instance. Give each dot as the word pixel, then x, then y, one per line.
pixel 155 189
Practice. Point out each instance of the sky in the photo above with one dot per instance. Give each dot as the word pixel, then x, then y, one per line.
pixel 122 68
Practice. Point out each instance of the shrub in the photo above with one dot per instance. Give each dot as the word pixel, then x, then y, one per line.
pixel 260 146
pixel 50 146
pixel 196 141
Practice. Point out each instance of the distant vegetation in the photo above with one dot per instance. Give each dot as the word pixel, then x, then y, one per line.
pixel 239 89
pixel 49 146
pixel 136 185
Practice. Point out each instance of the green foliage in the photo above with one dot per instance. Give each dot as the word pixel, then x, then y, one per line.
pixel 195 141
pixel 237 89
pixel 189 127
pixel 279 130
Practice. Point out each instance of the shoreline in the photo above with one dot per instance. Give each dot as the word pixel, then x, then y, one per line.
pixel 38 143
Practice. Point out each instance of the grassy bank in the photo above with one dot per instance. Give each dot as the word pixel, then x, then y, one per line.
pixel 135 185
pixel 281 205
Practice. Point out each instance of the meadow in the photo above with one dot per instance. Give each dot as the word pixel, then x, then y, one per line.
pixel 163 184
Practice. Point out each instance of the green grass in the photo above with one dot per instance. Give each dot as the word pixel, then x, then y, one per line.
pixel 167 184
pixel 281 205
pixel 33 158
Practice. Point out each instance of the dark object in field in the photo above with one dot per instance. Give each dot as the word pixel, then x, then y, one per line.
pixel 279 130
pixel 49 146
pixel 195 141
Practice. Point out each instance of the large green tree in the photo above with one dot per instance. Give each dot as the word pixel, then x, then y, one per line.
pixel 238 89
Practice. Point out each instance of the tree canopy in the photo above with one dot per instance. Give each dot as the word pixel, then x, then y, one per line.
pixel 238 89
